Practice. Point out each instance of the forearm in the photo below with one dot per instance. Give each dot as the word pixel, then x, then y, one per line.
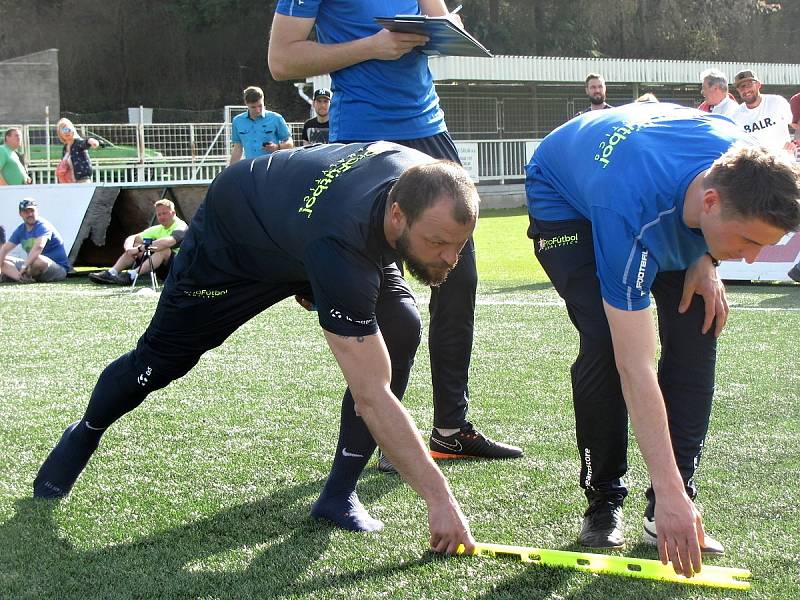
pixel 633 334
pixel 365 364
pixel 236 154
pixel 298 59
pixel 34 253
pixel 292 55
pixel 286 144
pixel 394 431
pixel 648 415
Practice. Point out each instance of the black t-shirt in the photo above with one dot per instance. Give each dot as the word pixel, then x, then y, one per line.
pixel 313 214
pixel 316 132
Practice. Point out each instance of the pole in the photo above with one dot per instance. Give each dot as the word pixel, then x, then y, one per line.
pixel 47 139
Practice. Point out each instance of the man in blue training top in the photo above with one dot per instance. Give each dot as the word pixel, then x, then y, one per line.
pixel 258 132
pixel 647 198
pixel 47 259
pixel 383 90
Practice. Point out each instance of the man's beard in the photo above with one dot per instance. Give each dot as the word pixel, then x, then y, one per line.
pixel 597 99
pixel 418 269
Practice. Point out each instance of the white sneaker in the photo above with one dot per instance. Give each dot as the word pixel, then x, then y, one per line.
pixel 650 536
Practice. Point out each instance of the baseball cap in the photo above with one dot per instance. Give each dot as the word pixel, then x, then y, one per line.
pixel 322 93
pixel 745 75
pixel 27 203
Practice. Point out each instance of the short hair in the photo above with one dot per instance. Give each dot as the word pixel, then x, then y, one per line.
pixel 755 183
pixel 164 202
pixel 9 131
pixel 252 94
pixel 591 76
pixel 421 186
pixel 714 78
pixel 647 97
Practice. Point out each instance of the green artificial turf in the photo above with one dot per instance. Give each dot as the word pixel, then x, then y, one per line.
pixel 204 491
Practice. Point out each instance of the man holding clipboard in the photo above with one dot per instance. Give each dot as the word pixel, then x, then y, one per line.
pixel 383 90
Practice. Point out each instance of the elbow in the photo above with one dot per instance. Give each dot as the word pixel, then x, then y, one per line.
pixel 278 68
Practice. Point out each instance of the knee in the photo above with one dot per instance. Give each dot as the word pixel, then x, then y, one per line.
pixel 596 345
pixel 402 330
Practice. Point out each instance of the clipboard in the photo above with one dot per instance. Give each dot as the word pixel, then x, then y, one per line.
pixel 446 38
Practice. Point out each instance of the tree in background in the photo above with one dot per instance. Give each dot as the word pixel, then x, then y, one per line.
pixel 200 54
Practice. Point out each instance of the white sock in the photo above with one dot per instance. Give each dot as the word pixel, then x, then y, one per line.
pixel 113 271
pixel 446 432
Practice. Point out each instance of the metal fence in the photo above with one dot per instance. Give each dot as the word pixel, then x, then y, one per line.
pixel 197 152
pixel 502 126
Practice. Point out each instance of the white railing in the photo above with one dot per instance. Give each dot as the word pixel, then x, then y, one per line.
pixel 197 152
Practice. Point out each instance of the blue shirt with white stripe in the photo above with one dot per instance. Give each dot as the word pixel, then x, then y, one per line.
pixel 627 170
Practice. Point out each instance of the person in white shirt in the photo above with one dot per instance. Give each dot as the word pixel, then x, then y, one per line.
pixel 765 116
pixel 714 89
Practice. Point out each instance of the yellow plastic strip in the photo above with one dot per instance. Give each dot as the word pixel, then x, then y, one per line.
pixel 710 575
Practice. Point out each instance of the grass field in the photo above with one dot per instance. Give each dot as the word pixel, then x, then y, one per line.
pixel 204 491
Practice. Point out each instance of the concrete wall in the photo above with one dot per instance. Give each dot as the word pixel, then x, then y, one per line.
pixel 28 84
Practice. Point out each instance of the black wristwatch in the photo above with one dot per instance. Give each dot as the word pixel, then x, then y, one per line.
pixel 714 261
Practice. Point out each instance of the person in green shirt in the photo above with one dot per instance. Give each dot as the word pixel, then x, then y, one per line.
pixel 12 171
pixel 164 240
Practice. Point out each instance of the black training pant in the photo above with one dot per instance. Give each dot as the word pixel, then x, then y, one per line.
pixel 452 309
pixel 190 320
pixel 685 367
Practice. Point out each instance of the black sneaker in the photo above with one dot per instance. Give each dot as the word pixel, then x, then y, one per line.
pixel 107 278
pixel 469 443
pixel 385 465
pixel 602 524
pixel 794 272
pixel 63 465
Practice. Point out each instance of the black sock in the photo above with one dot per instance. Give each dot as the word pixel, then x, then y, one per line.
pixel 353 451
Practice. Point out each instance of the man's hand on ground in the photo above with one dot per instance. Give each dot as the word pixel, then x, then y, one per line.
pixel 449 528
pixel 680 533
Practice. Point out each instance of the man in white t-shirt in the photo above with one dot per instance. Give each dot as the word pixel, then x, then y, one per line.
pixel 715 91
pixel 765 116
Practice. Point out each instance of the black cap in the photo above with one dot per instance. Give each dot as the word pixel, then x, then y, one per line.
pixel 27 203
pixel 745 75
pixel 322 93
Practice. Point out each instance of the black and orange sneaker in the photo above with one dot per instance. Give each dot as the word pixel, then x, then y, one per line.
pixel 469 443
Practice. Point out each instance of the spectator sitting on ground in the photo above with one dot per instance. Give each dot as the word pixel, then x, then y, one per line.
pixel 166 237
pixel 12 171
pixel 75 165
pixel 47 259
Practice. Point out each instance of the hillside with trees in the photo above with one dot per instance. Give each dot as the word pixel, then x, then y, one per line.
pixel 199 54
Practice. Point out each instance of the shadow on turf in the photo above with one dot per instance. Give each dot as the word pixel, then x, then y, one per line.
pixel 274 537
